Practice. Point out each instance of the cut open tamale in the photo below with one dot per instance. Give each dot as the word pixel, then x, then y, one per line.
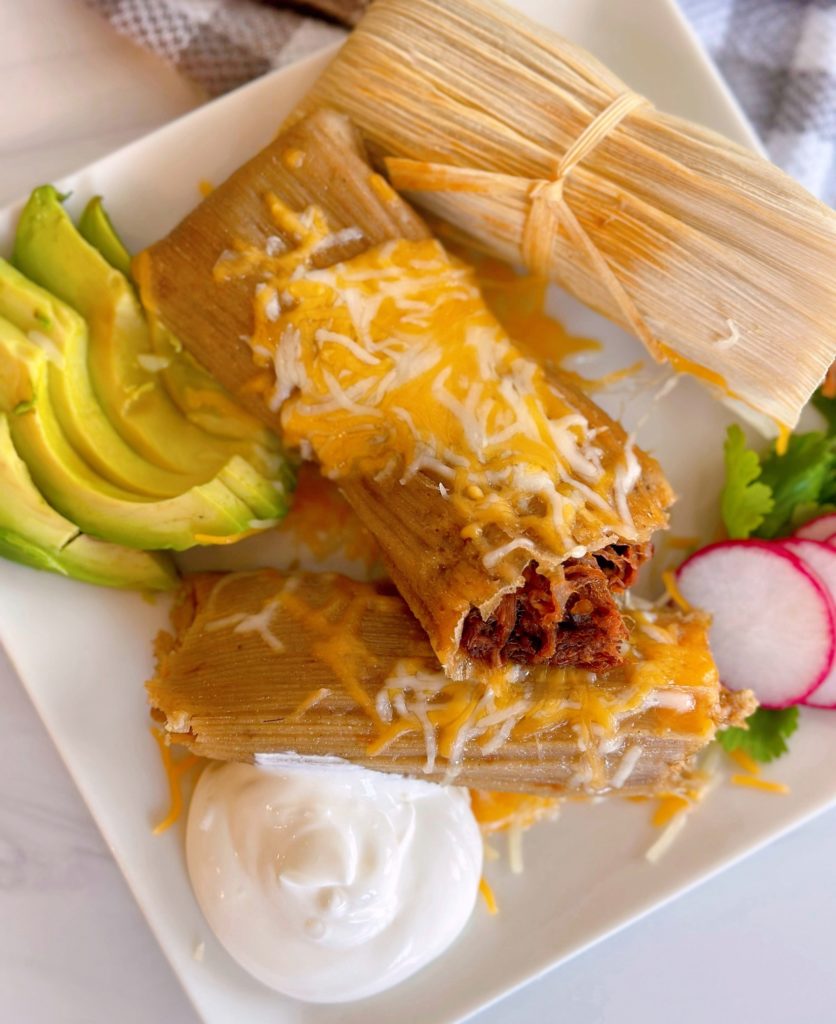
pixel 534 150
pixel 508 506
pixel 266 664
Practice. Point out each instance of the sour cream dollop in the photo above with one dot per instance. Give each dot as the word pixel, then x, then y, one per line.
pixel 333 883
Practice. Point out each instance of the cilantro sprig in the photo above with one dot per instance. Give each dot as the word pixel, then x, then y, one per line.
pixel 765 736
pixel 745 501
pixel 769 497
pixel 772 496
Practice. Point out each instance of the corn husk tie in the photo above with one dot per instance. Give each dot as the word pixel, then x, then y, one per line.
pixel 548 207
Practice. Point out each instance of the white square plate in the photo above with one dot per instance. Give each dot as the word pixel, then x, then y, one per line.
pixel 83 653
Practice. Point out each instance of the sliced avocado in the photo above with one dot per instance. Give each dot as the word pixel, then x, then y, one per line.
pixel 203 399
pixel 267 497
pixel 34 534
pixel 96 227
pixel 50 251
pixel 195 392
pixel 98 507
pixel 62 333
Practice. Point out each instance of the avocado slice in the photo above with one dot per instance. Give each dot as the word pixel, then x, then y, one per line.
pixel 50 251
pixel 96 227
pixel 195 392
pixel 36 535
pixel 268 497
pixel 60 330
pixel 206 512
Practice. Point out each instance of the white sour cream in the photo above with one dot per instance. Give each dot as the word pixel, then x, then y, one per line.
pixel 334 883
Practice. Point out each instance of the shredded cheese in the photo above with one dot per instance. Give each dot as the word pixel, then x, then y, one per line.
pixel 673 591
pixel 390 364
pixel 753 782
pixel 666 840
pixel 487 895
pixel 515 857
pixel 593 712
pixel 729 340
pixel 744 761
pixel 668 808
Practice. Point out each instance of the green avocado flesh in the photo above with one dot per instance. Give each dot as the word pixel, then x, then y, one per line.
pixel 36 535
pixel 72 487
pixel 194 391
pixel 95 227
pixel 122 361
pixel 114 442
pixel 58 329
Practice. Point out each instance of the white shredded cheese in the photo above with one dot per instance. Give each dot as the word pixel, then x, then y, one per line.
pixel 275 245
pixel 666 840
pixel 152 363
pixel 726 341
pixel 492 558
pixel 626 766
pixel 515 857
pixel 675 700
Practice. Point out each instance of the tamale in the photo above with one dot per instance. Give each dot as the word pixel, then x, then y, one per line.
pixel 534 150
pixel 508 507
pixel 321 161
pixel 266 664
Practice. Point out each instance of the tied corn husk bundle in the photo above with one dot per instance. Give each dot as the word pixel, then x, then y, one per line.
pixel 536 152
pixel 266 664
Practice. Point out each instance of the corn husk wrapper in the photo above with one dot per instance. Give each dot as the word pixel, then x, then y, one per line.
pixel 711 255
pixel 321 161
pixel 440 574
pixel 265 664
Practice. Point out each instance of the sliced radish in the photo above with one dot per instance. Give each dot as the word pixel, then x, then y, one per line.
pixel 823 528
pixel 773 622
pixel 821 558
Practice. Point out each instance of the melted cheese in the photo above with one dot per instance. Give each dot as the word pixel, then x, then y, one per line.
pixel 500 812
pixel 175 771
pixel 322 520
pixel 518 301
pixel 592 710
pixel 391 363
pixel 666 685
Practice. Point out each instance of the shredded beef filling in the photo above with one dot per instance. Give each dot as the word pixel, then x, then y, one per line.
pixel 570 619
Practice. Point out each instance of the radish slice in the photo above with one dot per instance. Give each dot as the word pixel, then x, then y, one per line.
pixel 774 622
pixel 823 528
pixel 822 560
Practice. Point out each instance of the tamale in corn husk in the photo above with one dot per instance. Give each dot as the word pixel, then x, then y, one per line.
pixel 507 505
pixel 316 665
pixel 320 161
pixel 534 150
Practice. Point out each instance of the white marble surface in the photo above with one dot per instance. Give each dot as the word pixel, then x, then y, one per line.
pixel 753 945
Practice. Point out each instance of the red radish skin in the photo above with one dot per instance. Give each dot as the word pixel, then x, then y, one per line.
pixel 820 558
pixel 822 528
pixel 773 621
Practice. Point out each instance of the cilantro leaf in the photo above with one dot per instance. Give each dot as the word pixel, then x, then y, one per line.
pixel 803 477
pixel 744 502
pixel 766 735
pixel 827 407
